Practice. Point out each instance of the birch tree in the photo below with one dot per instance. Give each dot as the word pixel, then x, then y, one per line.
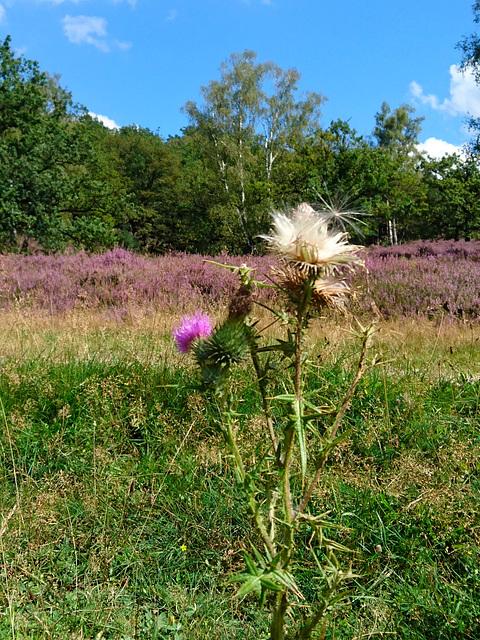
pixel 251 111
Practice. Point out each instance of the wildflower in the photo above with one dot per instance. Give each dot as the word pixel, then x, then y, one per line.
pixel 304 239
pixel 325 292
pixel 191 329
pixel 184 548
pixel 227 346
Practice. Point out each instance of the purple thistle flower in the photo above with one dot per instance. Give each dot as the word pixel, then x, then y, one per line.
pixel 192 328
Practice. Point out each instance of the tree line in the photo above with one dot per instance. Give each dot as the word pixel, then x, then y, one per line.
pixel 253 144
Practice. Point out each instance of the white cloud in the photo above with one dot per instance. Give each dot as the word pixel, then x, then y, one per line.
pixel 2 12
pixel 130 2
pixel 172 15
pixel 464 95
pixel 436 148
pixel 83 29
pixel 124 46
pixel 106 121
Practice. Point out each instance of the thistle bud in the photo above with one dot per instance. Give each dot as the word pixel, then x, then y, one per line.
pixel 228 345
pixel 241 303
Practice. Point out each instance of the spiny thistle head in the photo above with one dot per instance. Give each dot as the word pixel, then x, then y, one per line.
pixel 228 345
pixel 325 292
pixel 304 239
pixel 192 328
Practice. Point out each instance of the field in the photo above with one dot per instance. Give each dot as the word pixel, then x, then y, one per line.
pixel 119 517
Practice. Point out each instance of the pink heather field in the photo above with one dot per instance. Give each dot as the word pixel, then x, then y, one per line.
pixel 428 295
pixel 422 280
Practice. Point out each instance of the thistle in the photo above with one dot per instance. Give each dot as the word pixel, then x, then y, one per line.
pixel 326 292
pixel 215 351
pixel 191 329
pixel 227 346
pixel 303 238
pixel 290 450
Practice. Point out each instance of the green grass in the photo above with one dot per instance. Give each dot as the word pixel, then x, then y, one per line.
pixel 118 509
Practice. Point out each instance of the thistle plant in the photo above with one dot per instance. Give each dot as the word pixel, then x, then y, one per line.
pixel 298 436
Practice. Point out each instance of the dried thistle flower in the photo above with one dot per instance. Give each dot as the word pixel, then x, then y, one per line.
pixel 325 293
pixel 304 239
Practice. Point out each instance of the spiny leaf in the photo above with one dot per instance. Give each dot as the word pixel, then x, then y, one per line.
pixel 269 583
pixel 252 583
pixel 252 568
pixel 336 545
pixel 321 411
pixel 286 579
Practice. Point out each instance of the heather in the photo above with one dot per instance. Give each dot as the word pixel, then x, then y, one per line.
pixel 117 279
pixel 437 280
pixel 426 279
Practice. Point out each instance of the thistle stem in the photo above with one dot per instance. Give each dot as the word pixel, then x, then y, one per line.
pixel 361 366
pixel 305 632
pixel 366 339
pixel 297 380
pixel 243 480
pixel 278 618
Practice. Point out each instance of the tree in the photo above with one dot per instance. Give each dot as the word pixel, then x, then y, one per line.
pixel 470 48
pixel 341 169
pixel 396 133
pixel 397 130
pixel 46 159
pixel 148 169
pixel 251 112
pixel 453 185
pixel 286 120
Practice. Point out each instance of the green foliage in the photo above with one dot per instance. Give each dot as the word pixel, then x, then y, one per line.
pixel 343 169
pixel 254 145
pixel 397 130
pixel 47 157
pixel 452 185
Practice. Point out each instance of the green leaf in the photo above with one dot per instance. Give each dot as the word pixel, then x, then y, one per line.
pixel 285 397
pixel 331 445
pixel 260 558
pixel 297 422
pixel 286 579
pixel 319 521
pixel 252 583
pixel 340 596
pixel 269 583
pixel 337 546
pixel 321 411
pixel 252 568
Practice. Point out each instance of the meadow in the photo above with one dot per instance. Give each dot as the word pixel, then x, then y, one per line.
pixel 118 509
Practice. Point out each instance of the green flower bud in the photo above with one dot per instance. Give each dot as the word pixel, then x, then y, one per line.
pixel 228 345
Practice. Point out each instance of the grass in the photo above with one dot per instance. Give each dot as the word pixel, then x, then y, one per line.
pixel 118 514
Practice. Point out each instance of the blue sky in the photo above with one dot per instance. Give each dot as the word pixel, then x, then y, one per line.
pixel 139 61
